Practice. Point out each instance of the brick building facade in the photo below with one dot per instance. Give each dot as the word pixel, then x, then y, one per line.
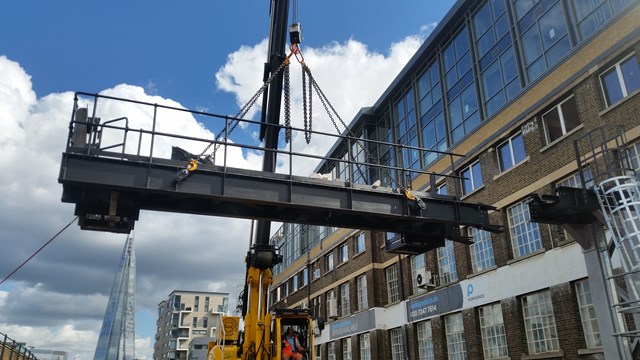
pixel 540 76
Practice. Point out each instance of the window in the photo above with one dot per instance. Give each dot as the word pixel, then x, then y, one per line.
pixel 511 152
pixel 561 119
pixel 397 344
pixel 434 132
pixel 286 289
pixel 305 276
pixel 344 253
pixel 525 235
pixel 195 322
pixel 345 304
pixel 360 245
pixel 332 303
pixel 543 34
pixel 365 346
pixel 459 83
pixel 329 261
pixel 393 287
pixel 206 304
pixel 576 182
pixel 494 337
pixel 331 351
pixel 205 322
pixel 447 263
pixel 361 283
pixel 346 349
pixel 425 341
pixel 196 303
pixel 407 130
pixel 417 265
pixel 621 80
pixel 494 47
pixel 317 352
pixel 442 190
pixel 539 323
pixel 358 151
pixel 591 15
pixel 456 345
pixel 295 282
pixel 588 314
pixel 481 250
pixel 472 178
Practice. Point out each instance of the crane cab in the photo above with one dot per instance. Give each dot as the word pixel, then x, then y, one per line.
pixel 231 344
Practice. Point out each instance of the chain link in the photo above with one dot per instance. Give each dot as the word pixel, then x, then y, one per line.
pixel 287 105
pixel 241 114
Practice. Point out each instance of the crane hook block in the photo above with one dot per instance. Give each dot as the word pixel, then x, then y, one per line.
pixel 295 33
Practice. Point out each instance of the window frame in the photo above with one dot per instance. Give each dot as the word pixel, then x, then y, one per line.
pixel 454 334
pixel 361 286
pixel 561 119
pixel 531 233
pixel 345 300
pixel 586 308
pixel 543 314
pixel 396 342
pixel 492 332
pixel 471 178
pixel 424 336
pixel 343 251
pixel 365 346
pixel 393 286
pixel 447 260
pixel 620 80
pixel 482 256
pixel 329 262
pixel 512 153
pixel 360 243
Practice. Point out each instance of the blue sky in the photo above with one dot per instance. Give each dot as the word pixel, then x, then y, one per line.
pixel 202 55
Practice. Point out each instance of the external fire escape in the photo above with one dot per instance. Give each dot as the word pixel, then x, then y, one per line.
pixel 605 219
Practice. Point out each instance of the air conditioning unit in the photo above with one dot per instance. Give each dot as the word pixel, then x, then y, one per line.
pixel 424 279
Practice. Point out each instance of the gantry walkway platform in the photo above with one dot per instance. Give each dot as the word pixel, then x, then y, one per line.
pixel 113 169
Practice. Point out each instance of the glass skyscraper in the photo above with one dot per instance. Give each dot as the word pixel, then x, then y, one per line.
pixel 117 336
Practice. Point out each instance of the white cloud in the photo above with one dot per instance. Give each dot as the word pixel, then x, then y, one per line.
pixel 174 252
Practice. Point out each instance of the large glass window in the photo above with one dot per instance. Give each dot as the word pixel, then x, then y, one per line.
pixel 494 46
pixel 561 119
pixel 345 304
pixel 382 152
pixel 365 346
pixel 332 303
pixel 434 131
pixel 359 158
pixel 525 235
pixel 360 244
pixel 329 261
pixel 393 287
pixel 425 341
pixel 591 15
pixel 447 263
pixel 540 323
pixel 361 284
pixel 460 86
pixel 407 130
pixel 331 351
pixel 472 178
pixel 511 152
pixel 543 34
pixel 621 80
pixel 417 265
pixel 346 349
pixel 344 253
pixel 456 345
pixel 481 250
pixel 588 314
pixel 397 344
pixel 494 337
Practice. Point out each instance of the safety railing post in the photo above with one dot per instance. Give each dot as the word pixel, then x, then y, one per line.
pixel 153 132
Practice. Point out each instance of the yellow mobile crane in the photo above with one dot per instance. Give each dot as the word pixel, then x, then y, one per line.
pixel 263 334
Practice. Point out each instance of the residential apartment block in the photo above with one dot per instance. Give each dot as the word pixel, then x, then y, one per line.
pixel 514 86
pixel 185 316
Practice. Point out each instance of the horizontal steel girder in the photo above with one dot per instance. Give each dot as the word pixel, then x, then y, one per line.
pixel 121 188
